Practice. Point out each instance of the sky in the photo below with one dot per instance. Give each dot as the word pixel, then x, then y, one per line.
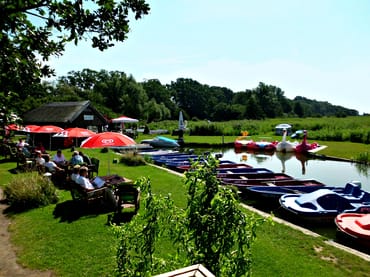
pixel 318 49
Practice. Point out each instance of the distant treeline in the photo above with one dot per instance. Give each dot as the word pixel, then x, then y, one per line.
pixel 115 93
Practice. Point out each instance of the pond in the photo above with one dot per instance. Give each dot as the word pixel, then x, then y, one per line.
pixel 331 173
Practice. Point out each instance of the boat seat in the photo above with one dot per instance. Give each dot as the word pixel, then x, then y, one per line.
pixel 270 184
pixel 352 188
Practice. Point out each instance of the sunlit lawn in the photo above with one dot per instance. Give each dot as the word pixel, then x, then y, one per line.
pixel 72 242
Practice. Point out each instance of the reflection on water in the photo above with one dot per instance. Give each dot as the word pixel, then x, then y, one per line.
pixel 333 173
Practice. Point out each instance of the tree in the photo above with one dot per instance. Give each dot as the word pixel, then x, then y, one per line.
pixel 33 31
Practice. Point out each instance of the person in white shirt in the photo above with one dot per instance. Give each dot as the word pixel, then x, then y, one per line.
pixel 21 143
pixel 51 166
pixel 58 173
pixel 59 158
pixel 75 173
pixel 84 182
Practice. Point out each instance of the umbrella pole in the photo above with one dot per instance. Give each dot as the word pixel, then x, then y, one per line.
pixel 108 162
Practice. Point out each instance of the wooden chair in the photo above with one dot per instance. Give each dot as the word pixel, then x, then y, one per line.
pixel 128 197
pixel 78 193
pixel 94 167
pixel 23 163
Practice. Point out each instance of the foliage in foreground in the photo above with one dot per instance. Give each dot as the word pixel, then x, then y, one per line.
pixel 30 190
pixel 213 230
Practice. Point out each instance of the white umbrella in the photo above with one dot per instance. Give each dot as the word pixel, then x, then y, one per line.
pixel 181 122
pixel 124 119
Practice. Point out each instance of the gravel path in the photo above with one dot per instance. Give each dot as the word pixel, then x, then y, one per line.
pixel 8 259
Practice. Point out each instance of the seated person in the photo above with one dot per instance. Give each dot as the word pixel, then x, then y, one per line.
pixel 51 166
pixel 84 182
pixel 85 158
pixel 25 151
pixel 40 147
pixel 21 143
pixel 58 173
pixel 59 158
pixel 75 173
pixel 76 159
pixel 40 162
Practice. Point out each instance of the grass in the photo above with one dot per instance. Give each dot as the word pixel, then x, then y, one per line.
pixel 74 242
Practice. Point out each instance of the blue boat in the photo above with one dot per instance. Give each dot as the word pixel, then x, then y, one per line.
pixel 241 169
pixel 324 205
pixel 297 186
pixel 223 172
pixel 164 160
pixel 161 142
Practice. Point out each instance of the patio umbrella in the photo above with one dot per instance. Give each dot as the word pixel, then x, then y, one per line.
pixel 109 140
pixel 74 133
pixel 124 119
pixel 13 127
pixel 30 128
pixel 181 122
pixel 48 129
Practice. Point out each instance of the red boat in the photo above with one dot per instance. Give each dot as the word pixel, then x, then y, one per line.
pixel 304 146
pixel 355 225
pixel 246 142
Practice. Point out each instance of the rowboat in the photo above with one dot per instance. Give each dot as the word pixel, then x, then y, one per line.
pixel 225 172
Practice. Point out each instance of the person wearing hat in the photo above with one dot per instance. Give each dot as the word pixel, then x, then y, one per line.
pixel 76 159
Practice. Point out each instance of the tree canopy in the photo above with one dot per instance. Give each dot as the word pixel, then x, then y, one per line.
pixel 32 31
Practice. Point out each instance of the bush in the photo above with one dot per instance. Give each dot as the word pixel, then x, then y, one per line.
pixel 132 159
pixel 30 190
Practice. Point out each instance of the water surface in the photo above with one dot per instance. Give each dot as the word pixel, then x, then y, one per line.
pixel 332 173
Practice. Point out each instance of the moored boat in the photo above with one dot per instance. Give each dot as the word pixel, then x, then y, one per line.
pixel 285 145
pixel 304 146
pixel 324 205
pixel 262 179
pixel 161 142
pixel 356 226
pixel 241 170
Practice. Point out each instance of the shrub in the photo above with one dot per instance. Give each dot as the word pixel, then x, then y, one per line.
pixel 30 190
pixel 132 159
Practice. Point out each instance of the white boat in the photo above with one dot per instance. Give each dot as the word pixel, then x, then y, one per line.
pixel 284 145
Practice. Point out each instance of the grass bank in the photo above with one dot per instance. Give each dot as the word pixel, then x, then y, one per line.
pixel 74 242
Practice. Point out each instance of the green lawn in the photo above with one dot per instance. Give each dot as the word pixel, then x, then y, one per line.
pixel 72 242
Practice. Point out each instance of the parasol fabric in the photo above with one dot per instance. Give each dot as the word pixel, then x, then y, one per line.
pixel 13 127
pixel 48 129
pixel 75 133
pixel 107 139
pixel 30 128
pixel 124 119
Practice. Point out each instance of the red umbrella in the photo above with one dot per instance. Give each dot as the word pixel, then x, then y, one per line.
pixel 13 127
pixel 107 139
pixel 75 133
pixel 30 128
pixel 48 129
